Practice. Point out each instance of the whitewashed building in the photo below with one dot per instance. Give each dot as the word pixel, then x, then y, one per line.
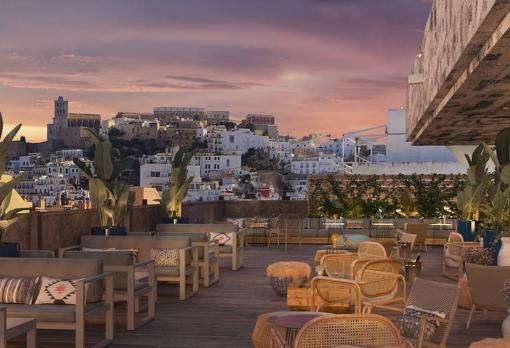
pixel 239 140
pixel 322 164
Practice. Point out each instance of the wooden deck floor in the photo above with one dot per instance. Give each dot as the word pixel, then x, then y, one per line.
pixel 224 315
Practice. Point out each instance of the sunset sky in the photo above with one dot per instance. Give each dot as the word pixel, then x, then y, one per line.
pixel 319 65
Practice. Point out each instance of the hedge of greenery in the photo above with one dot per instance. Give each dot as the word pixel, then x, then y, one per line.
pixel 384 196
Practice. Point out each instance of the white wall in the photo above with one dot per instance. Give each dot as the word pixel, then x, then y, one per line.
pixel 399 150
pixel 409 168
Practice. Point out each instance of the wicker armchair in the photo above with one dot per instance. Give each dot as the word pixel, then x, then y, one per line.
pixel 485 284
pixel 370 250
pixel 338 265
pixel 330 292
pixel 453 255
pixel 379 282
pixel 367 330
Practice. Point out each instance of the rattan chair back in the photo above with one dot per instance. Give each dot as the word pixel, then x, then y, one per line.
pixel 338 265
pixel 327 291
pixel 369 250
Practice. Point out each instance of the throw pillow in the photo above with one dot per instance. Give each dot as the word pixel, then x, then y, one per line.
pixel 223 238
pixel 165 257
pixel 57 291
pixel 409 324
pixel 18 290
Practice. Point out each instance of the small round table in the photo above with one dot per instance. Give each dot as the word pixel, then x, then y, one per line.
pixel 290 325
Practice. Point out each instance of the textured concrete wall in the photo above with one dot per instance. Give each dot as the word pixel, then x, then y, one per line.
pixel 462 56
pixel 53 230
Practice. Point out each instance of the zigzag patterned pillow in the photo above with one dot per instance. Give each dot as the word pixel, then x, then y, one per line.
pixel 57 291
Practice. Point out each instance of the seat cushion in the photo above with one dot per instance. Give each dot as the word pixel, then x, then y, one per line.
pixel 172 271
pixel 47 313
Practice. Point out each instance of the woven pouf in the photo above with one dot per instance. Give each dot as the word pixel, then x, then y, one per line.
pixel 282 274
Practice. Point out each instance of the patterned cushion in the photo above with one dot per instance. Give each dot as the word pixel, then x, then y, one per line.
pixel 57 291
pixel 409 324
pixel 165 257
pixel 223 238
pixel 18 290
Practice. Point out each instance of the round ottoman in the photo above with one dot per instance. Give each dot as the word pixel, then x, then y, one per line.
pixel 282 274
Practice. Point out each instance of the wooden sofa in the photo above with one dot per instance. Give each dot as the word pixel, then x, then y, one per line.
pixel 89 303
pixel 126 288
pixel 188 256
pixel 228 235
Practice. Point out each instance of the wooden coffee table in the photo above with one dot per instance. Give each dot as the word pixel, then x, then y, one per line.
pixel 14 327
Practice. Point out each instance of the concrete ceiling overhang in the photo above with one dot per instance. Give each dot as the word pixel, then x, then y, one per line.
pixel 468 99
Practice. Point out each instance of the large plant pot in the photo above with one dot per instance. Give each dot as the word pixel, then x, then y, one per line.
pixel 504 252
pixel 181 220
pixel 467 228
pixel 112 231
pixel 9 250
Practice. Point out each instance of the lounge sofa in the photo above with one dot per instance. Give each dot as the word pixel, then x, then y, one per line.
pixel 227 234
pixel 90 303
pixel 188 256
pixel 126 287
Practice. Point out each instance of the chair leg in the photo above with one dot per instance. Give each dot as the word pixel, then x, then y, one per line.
pixel 32 339
pixel 79 333
pixel 130 311
pixel 485 314
pixel 470 316
pixel 182 286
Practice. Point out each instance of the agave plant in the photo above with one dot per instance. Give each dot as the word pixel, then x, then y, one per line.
pixel 10 213
pixel 179 183
pixel 108 192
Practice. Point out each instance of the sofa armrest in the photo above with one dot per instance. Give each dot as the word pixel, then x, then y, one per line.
pixel 81 300
pixel 72 247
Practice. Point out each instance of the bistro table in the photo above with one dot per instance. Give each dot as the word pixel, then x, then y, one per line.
pixel 289 325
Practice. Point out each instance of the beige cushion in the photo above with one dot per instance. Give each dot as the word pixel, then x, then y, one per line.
pixel 47 313
pixel 165 257
pixel 172 271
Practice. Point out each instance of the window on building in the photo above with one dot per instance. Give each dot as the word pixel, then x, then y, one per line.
pixel 155 174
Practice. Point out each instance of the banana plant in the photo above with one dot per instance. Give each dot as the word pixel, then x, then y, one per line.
pixel 108 192
pixel 478 184
pixel 9 214
pixel 179 183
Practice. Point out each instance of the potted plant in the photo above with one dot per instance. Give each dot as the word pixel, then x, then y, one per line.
pixel 108 193
pixel 178 186
pixel 12 207
pixel 407 205
pixel 470 198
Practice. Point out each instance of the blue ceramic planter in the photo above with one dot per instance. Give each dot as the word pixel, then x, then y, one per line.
pixel 9 250
pixel 467 228
pixel 114 231
pixel 181 220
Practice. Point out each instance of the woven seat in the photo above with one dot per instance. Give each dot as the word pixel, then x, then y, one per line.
pixel 367 330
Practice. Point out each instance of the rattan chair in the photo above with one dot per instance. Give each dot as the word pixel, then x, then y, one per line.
pixel 370 250
pixel 453 256
pixel 381 283
pixel 420 230
pixel 338 265
pixel 485 284
pixel 330 292
pixel 288 226
pixel 431 296
pixel 367 330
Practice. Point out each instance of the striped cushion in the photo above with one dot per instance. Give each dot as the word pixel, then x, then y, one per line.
pixel 18 290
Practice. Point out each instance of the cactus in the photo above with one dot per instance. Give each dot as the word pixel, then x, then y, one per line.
pixel 108 192
pixel 179 183
pixel 9 213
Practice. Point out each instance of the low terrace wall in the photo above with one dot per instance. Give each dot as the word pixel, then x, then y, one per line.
pixel 53 230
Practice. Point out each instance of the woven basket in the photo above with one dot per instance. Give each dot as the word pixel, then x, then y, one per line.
pixel 280 285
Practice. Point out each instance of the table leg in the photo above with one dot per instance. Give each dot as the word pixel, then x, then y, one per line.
pixel 31 338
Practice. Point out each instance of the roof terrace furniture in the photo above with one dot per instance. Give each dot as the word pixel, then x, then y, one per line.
pixel 228 235
pixel 420 230
pixel 209 267
pixel 87 273
pixel 37 253
pixel 453 255
pixel 125 285
pixel 185 268
pixel 331 292
pixel 380 282
pixel 338 265
pixel 289 226
pixel 368 330
pixel 433 297
pixel 405 244
pixel 485 284
pixel 13 327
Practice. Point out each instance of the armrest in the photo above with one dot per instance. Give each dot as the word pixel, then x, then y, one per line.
pixel 143 263
pixel 72 247
pixel 81 299
pixel 95 278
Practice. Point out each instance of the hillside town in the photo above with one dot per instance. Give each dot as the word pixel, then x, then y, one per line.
pixel 233 159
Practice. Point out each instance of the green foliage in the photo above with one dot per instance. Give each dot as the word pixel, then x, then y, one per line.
pixel 256 159
pixel 380 196
pixel 179 183
pixel 108 192
pixel 9 214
